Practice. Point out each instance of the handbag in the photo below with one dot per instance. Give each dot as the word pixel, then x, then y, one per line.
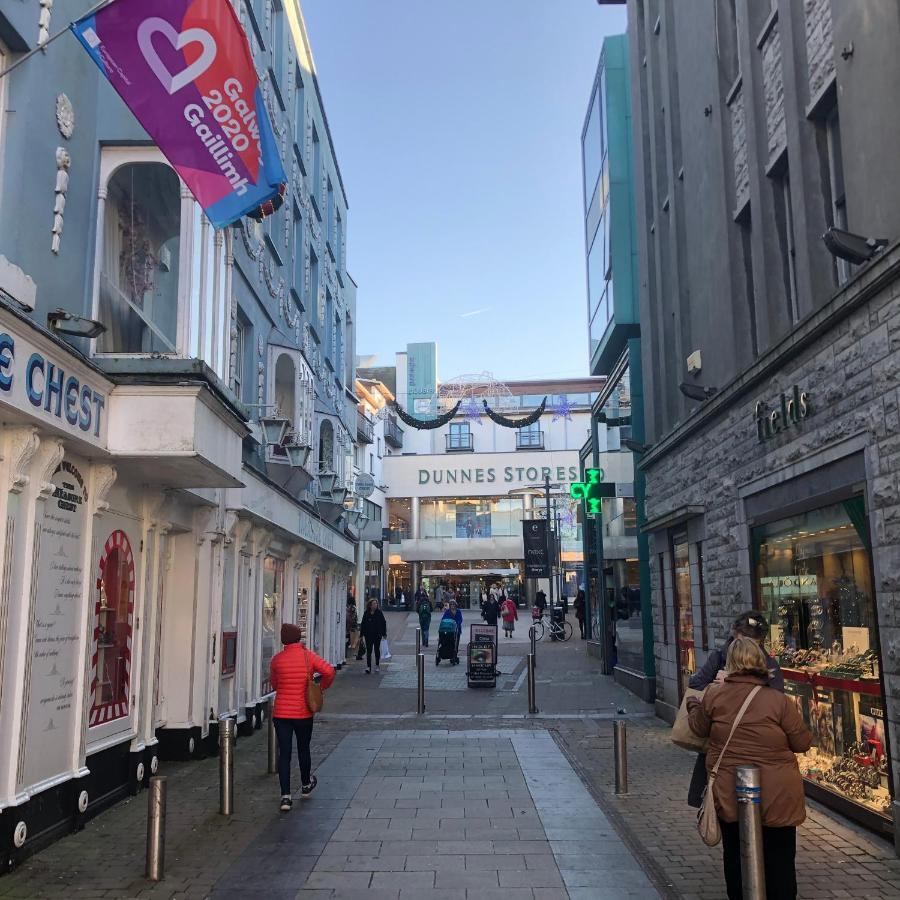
pixel 707 818
pixel 681 734
pixel 315 698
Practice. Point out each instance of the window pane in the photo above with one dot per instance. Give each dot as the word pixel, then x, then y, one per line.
pixel 592 149
pixel 273 588
pixel 139 265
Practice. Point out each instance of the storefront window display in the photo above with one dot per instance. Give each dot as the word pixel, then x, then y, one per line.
pixel 478 517
pixel 814 581
pixel 684 610
pixel 273 591
pixel 113 622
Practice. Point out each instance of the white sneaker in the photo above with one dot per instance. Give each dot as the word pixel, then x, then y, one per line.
pixel 377 670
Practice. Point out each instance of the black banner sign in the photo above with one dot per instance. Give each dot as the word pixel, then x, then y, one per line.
pixel 537 560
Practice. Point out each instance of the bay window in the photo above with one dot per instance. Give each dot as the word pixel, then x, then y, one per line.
pixel 162 273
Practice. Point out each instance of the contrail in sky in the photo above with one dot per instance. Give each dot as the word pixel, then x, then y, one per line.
pixel 475 312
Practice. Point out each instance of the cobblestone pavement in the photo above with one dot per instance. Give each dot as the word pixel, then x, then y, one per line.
pixel 412 807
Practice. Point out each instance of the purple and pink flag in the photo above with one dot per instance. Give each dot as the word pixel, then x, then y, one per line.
pixel 185 70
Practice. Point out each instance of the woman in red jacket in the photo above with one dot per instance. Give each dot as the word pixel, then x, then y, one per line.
pixel 291 670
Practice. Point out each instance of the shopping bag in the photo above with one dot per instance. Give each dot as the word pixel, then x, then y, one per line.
pixel 681 735
pixel 385 649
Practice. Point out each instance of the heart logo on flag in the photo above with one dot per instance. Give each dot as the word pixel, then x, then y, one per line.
pixel 179 40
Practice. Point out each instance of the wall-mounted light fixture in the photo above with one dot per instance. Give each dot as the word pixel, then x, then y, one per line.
pixel 62 322
pixel 852 247
pixel 697 391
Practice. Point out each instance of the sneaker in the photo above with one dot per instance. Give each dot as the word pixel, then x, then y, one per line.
pixel 307 789
pixel 368 671
pixel 377 670
pixel 286 803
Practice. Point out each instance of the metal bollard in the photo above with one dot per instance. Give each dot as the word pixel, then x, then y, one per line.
pixel 273 740
pixel 621 756
pixel 418 642
pixel 532 698
pixel 226 766
pixel 753 874
pixel 420 675
pixel 533 641
pixel 156 828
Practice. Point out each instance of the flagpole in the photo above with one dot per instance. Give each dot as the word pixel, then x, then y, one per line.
pixel 52 38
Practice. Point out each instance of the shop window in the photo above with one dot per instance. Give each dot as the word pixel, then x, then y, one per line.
pixel 814 582
pixel 701 586
pixel 273 592
pixel 662 595
pixel 113 623
pixel 684 610
pixel 138 289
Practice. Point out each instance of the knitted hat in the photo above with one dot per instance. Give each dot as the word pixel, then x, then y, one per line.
pixel 290 634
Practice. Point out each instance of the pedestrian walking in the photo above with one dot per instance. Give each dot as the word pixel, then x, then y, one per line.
pixel 510 614
pixel 373 628
pixel 455 613
pixel 424 609
pixel 579 607
pixel 290 673
pixel 491 610
pixel 751 624
pixel 540 602
pixel 769 734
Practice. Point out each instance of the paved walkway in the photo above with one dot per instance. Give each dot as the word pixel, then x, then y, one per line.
pixel 470 800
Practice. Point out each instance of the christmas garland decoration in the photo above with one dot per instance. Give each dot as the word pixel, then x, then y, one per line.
pixel 530 419
pixel 423 424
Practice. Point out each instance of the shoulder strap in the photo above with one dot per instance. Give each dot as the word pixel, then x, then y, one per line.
pixel 737 721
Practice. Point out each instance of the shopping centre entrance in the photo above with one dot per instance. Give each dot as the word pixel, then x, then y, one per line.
pixel 467 585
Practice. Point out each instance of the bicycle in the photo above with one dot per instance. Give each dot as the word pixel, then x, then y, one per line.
pixel 559 631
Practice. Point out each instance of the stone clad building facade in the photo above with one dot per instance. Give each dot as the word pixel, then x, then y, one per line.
pixel 772 366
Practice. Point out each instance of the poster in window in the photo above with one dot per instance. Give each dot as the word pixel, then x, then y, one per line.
pixel 55 651
pixel 473 520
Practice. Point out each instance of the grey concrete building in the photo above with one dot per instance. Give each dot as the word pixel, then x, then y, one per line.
pixel 771 366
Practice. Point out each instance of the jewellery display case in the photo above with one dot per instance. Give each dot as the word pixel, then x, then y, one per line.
pixel 814 584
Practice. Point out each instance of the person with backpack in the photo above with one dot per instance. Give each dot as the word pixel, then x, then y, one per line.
pixel 424 609
pixel 290 673
pixel 509 613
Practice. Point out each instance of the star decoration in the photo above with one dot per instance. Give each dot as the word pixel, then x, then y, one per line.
pixel 562 409
pixel 471 410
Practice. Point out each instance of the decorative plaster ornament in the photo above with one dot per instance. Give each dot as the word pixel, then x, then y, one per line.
pixel 63 161
pixel 44 22
pixel 65 116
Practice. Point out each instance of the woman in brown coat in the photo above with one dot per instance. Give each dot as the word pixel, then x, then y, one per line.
pixel 768 736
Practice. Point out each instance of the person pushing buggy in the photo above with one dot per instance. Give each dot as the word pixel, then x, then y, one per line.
pixel 449 634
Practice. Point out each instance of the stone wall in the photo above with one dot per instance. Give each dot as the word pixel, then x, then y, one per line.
pixel 773 92
pixel 847 356
pixel 819 44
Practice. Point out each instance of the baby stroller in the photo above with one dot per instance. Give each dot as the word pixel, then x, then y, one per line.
pixel 446 648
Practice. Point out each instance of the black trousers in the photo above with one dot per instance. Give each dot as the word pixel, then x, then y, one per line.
pixel 370 645
pixel 285 730
pixel 581 626
pixel 779 850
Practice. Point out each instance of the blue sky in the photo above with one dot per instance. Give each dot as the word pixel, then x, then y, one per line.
pixel 457 127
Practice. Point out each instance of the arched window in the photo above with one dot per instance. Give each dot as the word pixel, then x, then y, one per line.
pixel 140 260
pixel 326 446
